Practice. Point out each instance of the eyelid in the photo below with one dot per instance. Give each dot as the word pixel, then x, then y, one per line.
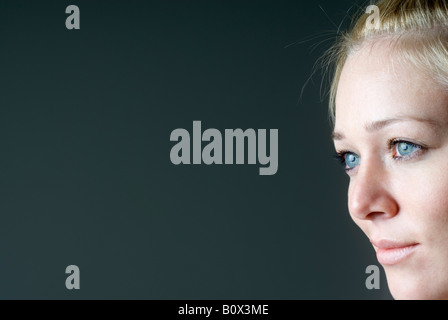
pixel 394 141
pixel 340 155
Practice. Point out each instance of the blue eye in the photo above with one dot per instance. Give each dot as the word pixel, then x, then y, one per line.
pixel 405 148
pixel 351 160
pixel 348 159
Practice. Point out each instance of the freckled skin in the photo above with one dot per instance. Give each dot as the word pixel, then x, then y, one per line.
pixel 401 200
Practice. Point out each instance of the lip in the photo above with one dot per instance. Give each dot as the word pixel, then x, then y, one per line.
pixel 391 252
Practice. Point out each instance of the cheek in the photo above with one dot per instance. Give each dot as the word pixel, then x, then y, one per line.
pixel 423 199
pixel 430 207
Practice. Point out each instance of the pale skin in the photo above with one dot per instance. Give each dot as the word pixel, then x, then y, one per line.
pixel 391 127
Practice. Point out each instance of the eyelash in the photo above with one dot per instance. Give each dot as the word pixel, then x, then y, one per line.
pixel 340 156
pixel 392 143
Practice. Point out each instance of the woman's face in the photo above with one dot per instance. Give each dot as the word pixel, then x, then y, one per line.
pixel 391 129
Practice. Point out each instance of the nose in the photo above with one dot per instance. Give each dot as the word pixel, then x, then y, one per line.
pixel 369 194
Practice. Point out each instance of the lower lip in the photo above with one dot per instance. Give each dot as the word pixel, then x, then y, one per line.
pixel 391 256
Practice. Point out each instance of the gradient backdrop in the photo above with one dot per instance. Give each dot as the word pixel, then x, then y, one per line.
pixel 86 177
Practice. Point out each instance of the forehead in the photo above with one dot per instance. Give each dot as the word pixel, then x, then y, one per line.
pixel 376 83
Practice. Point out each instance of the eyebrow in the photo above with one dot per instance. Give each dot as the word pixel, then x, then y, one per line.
pixel 380 124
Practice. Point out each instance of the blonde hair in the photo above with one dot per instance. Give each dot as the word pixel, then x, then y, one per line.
pixel 418 30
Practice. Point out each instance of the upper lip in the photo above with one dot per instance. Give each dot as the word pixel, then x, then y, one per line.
pixel 391 244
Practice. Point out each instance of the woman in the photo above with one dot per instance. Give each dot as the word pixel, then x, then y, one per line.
pixel 389 103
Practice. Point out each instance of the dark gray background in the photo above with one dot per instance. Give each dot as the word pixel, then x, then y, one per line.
pixel 86 177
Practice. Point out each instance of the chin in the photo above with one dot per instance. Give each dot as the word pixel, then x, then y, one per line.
pixel 407 288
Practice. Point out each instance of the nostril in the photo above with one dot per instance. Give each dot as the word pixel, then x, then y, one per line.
pixel 376 215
